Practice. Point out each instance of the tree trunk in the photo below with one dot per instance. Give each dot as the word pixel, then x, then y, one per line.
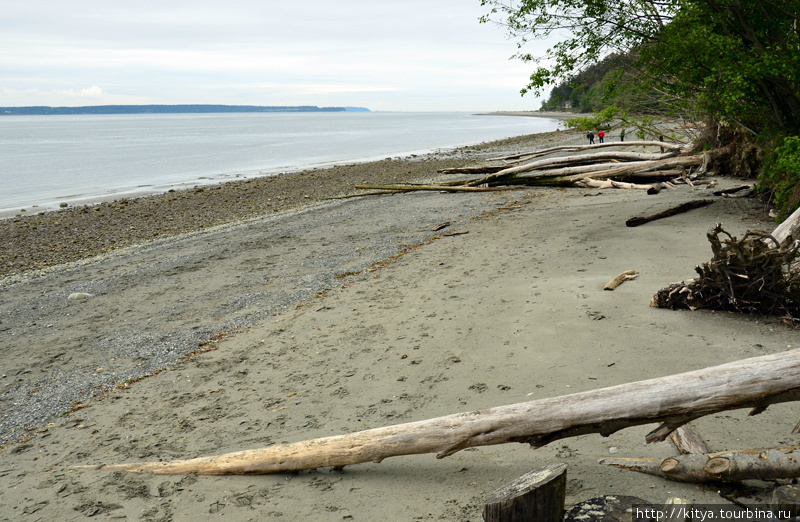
pixel 576 148
pixel 729 466
pixel 673 400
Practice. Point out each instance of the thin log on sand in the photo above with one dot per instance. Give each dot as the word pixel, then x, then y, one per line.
pixel 576 148
pixel 683 207
pixel 439 188
pixel 672 400
pixel 732 190
pixel 482 169
pixel 621 278
pixel 729 466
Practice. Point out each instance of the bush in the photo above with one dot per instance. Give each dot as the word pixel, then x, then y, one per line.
pixel 780 176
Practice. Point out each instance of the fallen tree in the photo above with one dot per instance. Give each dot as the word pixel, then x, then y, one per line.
pixel 751 275
pixel 672 401
pixel 728 466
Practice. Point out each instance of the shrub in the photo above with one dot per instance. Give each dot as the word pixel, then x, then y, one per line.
pixel 780 177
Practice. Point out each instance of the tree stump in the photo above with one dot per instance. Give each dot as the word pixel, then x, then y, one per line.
pixel 536 496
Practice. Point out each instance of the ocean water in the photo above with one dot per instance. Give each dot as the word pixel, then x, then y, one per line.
pixel 47 160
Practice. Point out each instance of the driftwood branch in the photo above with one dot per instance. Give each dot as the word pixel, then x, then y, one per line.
pixel 687 440
pixel 673 401
pixel 729 466
pixel 621 278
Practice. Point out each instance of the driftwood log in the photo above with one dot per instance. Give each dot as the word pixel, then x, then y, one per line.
pixel 726 466
pixel 576 148
pixel 683 207
pixel 672 401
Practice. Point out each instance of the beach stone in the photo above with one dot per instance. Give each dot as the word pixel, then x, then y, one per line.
pixel 79 296
pixel 608 508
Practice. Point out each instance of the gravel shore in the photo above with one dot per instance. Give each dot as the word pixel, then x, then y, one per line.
pixel 126 254
pixel 42 240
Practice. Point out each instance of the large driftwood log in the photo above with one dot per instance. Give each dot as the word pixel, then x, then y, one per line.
pixel 729 466
pixel 586 158
pixel 603 170
pixel 673 400
pixel 576 148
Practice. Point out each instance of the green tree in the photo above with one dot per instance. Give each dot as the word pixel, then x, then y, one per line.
pixel 736 61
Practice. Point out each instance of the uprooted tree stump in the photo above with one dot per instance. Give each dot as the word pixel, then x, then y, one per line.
pixel 751 275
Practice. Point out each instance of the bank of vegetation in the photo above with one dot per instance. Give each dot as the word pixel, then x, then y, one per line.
pixel 732 67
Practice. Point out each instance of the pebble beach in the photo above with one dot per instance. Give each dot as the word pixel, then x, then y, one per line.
pixel 281 309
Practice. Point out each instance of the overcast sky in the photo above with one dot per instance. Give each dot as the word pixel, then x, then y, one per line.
pixel 389 55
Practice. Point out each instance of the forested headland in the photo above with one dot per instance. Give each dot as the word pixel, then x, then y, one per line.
pixel 732 67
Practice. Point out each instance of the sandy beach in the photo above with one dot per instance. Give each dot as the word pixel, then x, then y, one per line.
pixel 232 324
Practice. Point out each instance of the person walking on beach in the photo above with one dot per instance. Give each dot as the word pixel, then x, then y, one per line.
pixel 590 135
pixel 601 135
pixel 622 135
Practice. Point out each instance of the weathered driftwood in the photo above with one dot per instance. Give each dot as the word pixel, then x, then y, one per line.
pixel 619 279
pixel 673 401
pixel 480 169
pixel 438 188
pixel 732 190
pixel 576 148
pixel 637 169
pixel 728 466
pixel 610 183
pixel 683 207
pixel 586 158
pixel 788 230
pixel 687 440
pixel 538 495
pixel 749 275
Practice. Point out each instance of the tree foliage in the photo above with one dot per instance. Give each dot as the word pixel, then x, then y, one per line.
pixel 735 61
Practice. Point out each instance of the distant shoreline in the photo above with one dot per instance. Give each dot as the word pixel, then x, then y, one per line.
pixel 167 109
pixel 536 114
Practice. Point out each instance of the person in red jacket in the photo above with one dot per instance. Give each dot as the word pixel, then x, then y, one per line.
pixel 601 135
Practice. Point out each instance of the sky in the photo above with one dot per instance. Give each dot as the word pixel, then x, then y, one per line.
pixel 386 55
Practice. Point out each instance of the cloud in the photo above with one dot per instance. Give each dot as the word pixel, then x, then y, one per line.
pixel 393 54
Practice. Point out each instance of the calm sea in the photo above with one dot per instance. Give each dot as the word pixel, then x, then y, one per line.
pixel 46 160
